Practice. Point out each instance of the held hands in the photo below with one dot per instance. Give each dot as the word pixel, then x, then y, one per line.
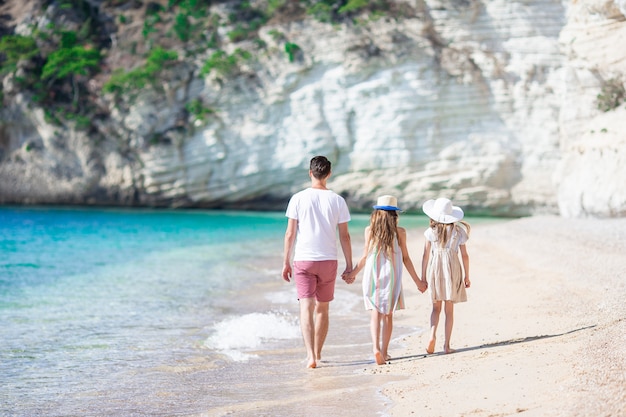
pixel 422 285
pixel 348 276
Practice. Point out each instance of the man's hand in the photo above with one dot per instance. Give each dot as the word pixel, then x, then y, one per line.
pixel 287 272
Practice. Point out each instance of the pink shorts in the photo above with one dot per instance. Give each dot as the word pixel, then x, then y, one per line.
pixel 315 279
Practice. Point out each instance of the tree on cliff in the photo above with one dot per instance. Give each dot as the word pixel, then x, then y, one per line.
pixel 14 49
pixel 69 62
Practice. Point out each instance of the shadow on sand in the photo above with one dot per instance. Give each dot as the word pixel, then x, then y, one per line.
pixel 466 349
pixel 496 344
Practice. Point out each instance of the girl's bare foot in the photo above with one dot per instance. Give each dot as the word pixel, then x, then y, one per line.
pixel 311 364
pixel 379 358
pixel 448 349
pixel 431 346
pixel 387 357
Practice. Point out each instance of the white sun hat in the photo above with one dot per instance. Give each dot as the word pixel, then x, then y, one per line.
pixel 387 202
pixel 441 210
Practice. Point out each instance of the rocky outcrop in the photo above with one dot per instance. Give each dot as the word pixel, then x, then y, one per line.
pixel 592 169
pixel 493 104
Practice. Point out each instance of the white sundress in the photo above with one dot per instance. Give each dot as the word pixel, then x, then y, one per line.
pixel 444 272
pixel 382 281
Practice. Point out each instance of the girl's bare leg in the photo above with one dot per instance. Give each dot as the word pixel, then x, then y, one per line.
pixel 434 322
pixel 387 320
pixel 375 319
pixel 449 311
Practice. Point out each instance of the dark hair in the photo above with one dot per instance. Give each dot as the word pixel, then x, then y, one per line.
pixel 320 167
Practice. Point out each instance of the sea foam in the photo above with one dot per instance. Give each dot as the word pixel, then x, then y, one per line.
pixel 237 336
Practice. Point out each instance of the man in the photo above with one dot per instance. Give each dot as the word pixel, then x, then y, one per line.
pixel 314 215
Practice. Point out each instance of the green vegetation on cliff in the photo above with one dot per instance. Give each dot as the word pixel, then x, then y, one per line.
pixel 612 95
pixel 122 82
pixel 66 61
pixel 52 64
pixel 16 48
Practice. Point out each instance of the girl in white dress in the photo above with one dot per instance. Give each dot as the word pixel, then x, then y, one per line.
pixel 384 255
pixel 447 278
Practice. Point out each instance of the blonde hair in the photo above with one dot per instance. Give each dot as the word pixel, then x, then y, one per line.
pixel 383 231
pixel 443 231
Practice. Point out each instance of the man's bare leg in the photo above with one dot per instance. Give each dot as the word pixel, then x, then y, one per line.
pixel 307 307
pixel 321 327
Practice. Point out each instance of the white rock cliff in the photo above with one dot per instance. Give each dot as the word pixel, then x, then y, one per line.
pixel 491 103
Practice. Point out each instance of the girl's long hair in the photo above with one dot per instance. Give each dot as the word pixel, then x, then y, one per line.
pixel 383 231
pixel 443 231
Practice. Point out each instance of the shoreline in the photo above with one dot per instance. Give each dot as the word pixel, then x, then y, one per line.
pixel 542 333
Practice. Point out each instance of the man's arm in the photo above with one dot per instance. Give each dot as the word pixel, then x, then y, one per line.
pixel 346 246
pixel 290 238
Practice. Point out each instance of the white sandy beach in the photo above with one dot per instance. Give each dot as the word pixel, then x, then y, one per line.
pixel 542 334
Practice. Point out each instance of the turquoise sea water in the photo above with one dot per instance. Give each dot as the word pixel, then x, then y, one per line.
pixel 92 299
pixel 144 312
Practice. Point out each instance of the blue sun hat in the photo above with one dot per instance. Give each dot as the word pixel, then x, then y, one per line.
pixel 387 202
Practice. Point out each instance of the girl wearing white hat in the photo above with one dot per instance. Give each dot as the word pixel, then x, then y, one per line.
pixel 384 254
pixel 447 279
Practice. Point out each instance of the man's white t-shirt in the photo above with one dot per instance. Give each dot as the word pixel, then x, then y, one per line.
pixel 318 213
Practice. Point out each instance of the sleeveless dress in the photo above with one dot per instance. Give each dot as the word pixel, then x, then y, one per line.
pixel 444 272
pixel 382 281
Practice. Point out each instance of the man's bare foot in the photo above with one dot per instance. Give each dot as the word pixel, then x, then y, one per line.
pixel 387 357
pixel 431 346
pixel 311 364
pixel 448 349
pixel 379 358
